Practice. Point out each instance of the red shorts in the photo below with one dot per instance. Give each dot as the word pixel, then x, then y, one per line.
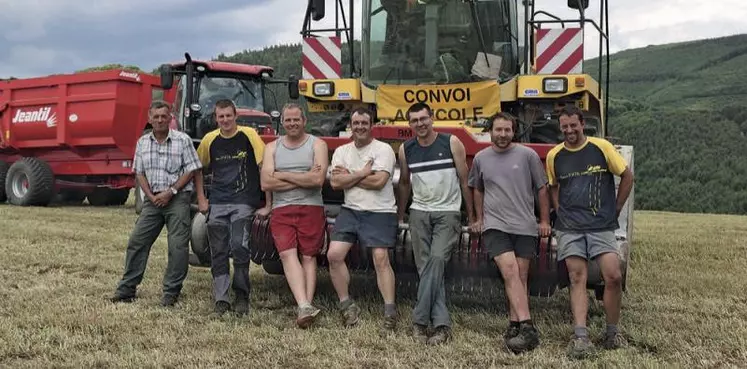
pixel 298 226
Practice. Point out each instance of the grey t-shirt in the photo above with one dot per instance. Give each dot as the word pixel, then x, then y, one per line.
pixel 510 181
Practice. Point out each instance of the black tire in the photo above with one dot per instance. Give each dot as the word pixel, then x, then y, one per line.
pixel 3 173
pixel 199 240
pixel 71 197
pixel 38 174
pixel 118 197
pixel 99 197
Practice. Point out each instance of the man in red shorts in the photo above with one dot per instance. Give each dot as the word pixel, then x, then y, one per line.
pixel 294 169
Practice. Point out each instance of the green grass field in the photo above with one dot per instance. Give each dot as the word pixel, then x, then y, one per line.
pixel 686 306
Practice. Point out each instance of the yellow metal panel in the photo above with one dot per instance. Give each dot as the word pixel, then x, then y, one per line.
pixel 344 89
pixel 531 86
pixel 464 101
pixel 508 90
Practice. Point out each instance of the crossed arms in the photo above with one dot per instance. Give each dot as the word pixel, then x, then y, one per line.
pixel 272 180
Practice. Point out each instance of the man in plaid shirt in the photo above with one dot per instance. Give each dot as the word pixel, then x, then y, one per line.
pixel 165 162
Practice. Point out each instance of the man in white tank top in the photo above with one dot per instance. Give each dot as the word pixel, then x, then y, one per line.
pixel 295 167
pixel 434 165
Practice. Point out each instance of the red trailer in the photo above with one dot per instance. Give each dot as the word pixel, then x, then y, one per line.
pixel 72 135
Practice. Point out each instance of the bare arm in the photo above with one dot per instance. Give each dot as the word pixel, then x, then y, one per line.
pixel 374 181
pixel 144 186
pixel 544 204
pixel 404 184
pixel 342 180
pixel 478 195
pixel 268 181
pixel 460 160
pixel 626 185
pixel 200 185
pixel 313 178
pixel 554 195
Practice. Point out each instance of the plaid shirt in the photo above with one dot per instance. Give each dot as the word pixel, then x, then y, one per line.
pixel 164 163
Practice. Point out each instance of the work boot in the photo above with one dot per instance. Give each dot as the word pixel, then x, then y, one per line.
pixel 580 347
pixel 441 335
pixel 306 315
pixel 241 306
pixel 526 340
pixel 420 333
pixel 614 341
pixel 388 325
pixel 221 307
pixel 350 313
pixel 119 298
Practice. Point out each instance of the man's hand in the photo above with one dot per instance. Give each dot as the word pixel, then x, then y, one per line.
pixel 339 170
pixel 163 198
pixel 202 205
pixel 476 226
pixel 263 212
pixel 366 170
pixel 544 229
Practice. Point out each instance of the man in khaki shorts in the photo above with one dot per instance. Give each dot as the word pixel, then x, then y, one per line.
pixel 581 175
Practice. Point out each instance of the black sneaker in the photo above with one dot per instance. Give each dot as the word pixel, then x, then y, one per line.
pixel 169 300
pixel 614 341
pixel 511 332
pixel 526 340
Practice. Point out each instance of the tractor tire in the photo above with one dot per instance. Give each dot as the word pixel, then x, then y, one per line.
pixel 71 197
pixel 29 182
pixel 3 173
pixel 99 197
pixel 199 240
pixel 118 197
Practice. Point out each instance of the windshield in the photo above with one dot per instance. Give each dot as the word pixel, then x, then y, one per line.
pixel 245 93
pixel 440 41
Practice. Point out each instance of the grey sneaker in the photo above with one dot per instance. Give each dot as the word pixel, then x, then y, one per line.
pixel 351 315
pixel 420 333
pixel 526 340
pixel 580 347
pixel 614 341
pixel 389 323
pixel 441 335
pixel 306 316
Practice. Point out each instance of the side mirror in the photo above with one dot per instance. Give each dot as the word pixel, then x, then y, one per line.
pixel 578 4
pixel 167 77
pixel 293 87
pixel 317 9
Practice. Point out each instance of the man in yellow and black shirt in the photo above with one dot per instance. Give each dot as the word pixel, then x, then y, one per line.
pixel 581 174
pixel 233 154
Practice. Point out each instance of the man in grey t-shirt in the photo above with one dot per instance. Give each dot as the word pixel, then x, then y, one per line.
pixel 505 178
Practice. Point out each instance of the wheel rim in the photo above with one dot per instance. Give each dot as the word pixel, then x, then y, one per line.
pixel 20 185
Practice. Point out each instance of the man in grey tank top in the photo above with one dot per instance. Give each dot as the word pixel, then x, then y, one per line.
pixel 434 165
pixel 294 169
pixel 505 178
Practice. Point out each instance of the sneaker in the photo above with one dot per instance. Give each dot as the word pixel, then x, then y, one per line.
pixel 389 323
pixel 511 332
pixel 241 306
pixel 614 341
pixel 306 316
pixel 441 335
pixel 169 300
pixel 580 347
pixel 351 315
pixel 420 333
pixel 221 307
pixel 526 340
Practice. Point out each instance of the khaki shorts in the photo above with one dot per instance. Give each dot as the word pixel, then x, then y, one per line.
pixel 586 245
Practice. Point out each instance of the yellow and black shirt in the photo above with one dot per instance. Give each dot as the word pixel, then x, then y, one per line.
pixel 587 197
pixel 234 163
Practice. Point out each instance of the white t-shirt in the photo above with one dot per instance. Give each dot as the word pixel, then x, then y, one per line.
pixel 353 159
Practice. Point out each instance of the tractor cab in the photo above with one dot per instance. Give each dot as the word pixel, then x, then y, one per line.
pixel 212 81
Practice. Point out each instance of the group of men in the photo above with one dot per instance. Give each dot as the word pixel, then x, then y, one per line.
pixel 504 192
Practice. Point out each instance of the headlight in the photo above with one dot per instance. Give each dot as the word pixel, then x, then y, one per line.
pixel 554 85
pixel 323 89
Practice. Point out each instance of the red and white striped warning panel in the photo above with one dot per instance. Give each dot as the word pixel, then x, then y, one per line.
pixel 322 57
pixel 559 51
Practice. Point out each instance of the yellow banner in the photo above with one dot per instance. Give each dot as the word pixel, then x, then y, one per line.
pixel 449 102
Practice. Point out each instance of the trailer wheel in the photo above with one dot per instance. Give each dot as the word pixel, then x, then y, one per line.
pixel 118 197
pixel 199 240
pixel 29 182
pixel 99 197
pixel 3 173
